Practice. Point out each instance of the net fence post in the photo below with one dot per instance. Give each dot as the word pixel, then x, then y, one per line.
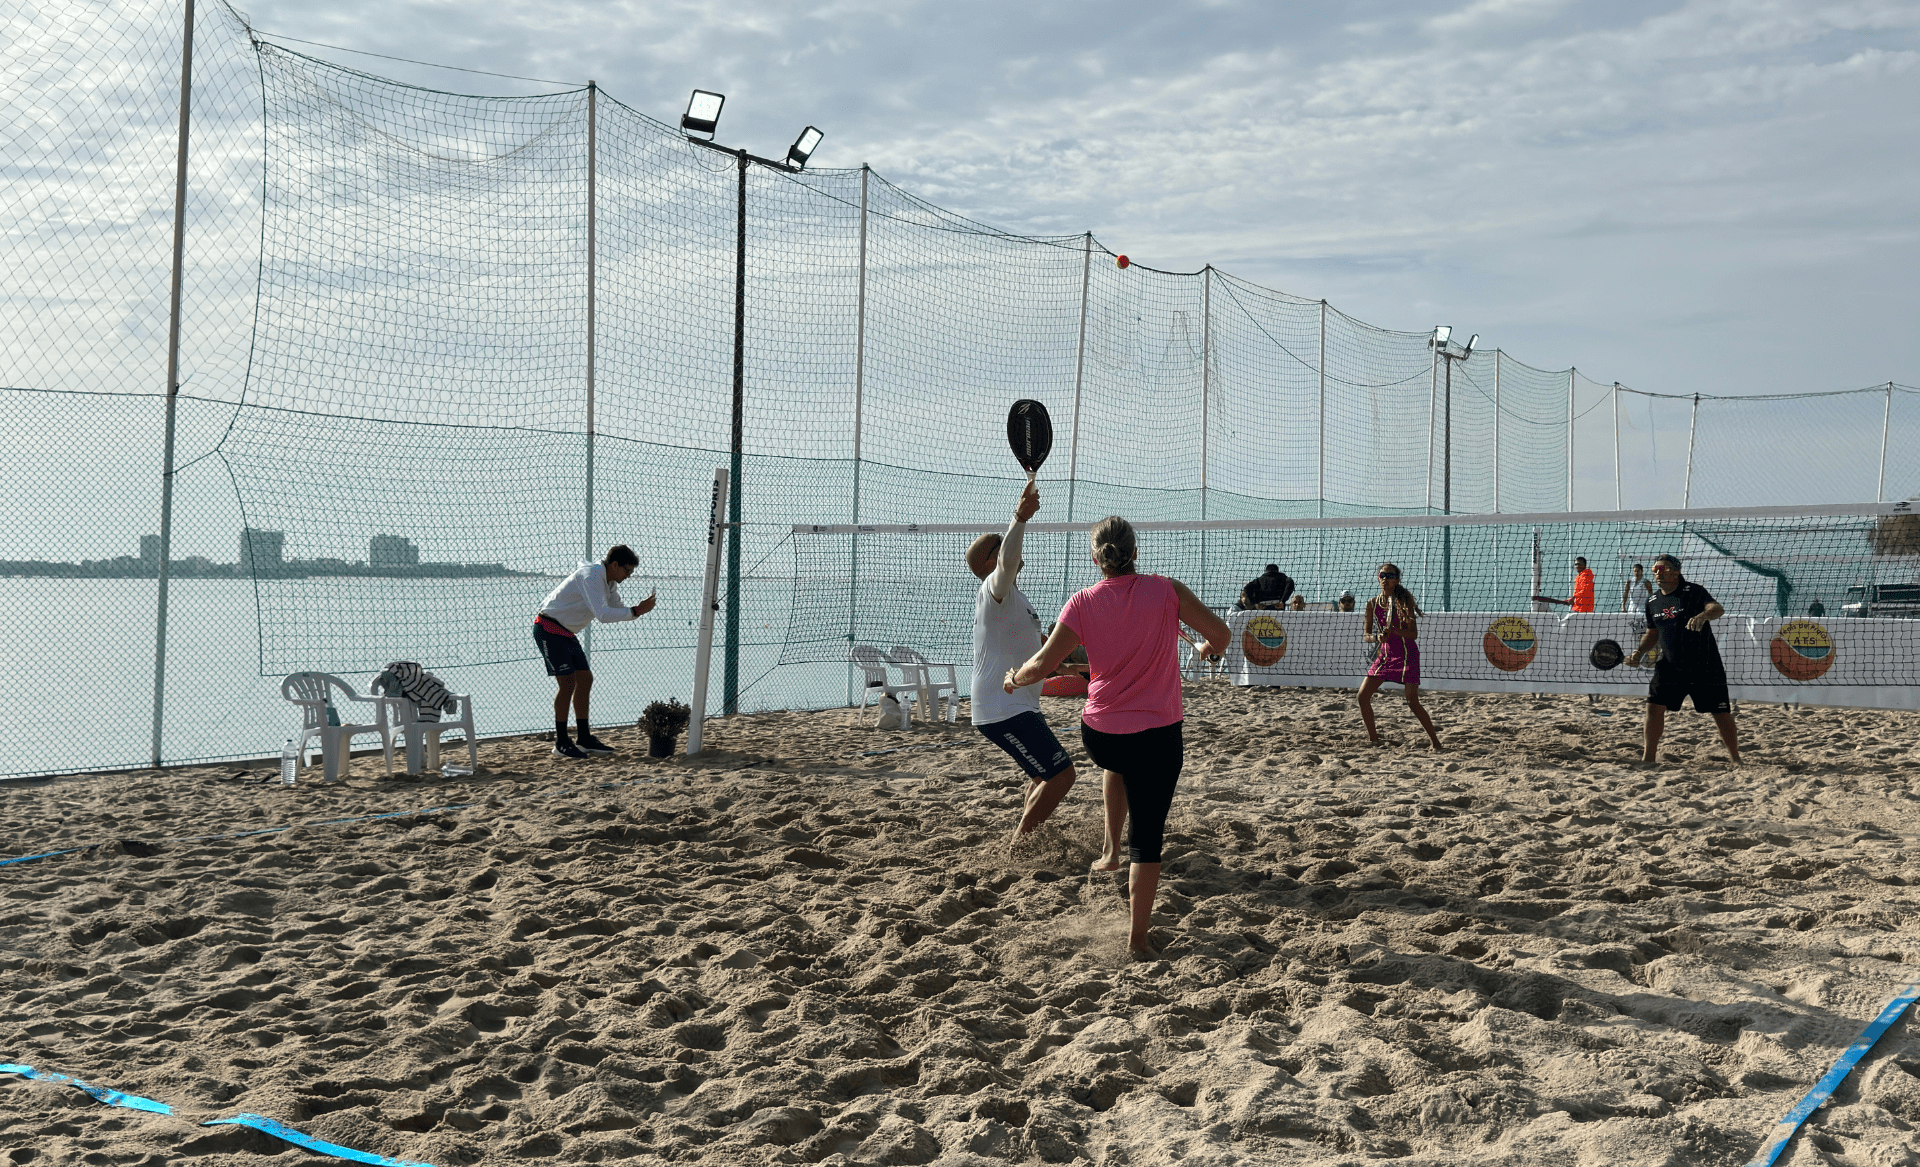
pixel 1433 395
pixel 1886 425
pixel 1320 446
pixel 1497 355
pixel 1571 372
pixel 709 600
pixel 1616 445
pixel 1206 377
pixel 731 682
pixel 859 400
pixel 1079 376
pixel 173 382
pixel 592 288
pixel 1693 426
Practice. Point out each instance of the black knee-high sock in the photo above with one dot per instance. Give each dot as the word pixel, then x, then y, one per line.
pixel 585 733
pixel 560 731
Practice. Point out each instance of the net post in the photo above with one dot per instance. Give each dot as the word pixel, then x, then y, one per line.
pixel 1497 356
pixel 1320 447
pixel 731 691
pixel 1433 395
pixel 1206 373
pixel 1079 375
pixel 1570 376
pixel 592 290
pixel 1693 425
pixel 709 601
pixel 1886 425
pixel 1616 445
pixel 859 400
pixel 173 382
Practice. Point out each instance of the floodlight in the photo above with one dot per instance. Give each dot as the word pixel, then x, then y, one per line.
pixel 1441 333
pixel 803 147
pixel 703 112
pixel 1471 341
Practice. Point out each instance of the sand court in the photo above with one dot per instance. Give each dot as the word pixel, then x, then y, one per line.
pixel 1523 950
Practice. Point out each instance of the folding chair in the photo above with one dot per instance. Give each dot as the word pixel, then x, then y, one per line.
pixel 871 663
pixel 919 667
pixel 313 693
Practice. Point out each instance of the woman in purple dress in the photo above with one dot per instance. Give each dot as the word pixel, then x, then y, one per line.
pixel 1396 616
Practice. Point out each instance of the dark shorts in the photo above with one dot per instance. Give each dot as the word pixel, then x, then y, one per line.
pixel 1149 764
pixel 1707 687
pixel 1030 742
pixel 562 654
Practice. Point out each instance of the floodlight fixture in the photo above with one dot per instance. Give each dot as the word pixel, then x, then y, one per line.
pixel 1441 333
pixel 1471 341
pixel 703 112
pixel 803 147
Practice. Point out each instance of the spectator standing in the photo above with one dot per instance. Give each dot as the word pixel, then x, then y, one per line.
pixel 590 593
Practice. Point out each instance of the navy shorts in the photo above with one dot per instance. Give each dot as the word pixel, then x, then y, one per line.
pixel 563 654
pixel 1708 688
pixel 1027 738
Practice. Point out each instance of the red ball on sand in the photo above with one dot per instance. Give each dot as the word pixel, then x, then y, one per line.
pixel 1121 261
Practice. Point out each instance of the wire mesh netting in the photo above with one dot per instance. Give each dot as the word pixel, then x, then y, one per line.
pixel 436 349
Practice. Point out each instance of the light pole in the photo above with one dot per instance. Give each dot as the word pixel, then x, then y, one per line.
pixel 1442 344
pixel 703 117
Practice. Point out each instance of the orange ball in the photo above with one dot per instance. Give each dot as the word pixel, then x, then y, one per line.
pixel 1121 261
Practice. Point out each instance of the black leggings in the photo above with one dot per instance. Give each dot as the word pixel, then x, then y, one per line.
pixel 1148 763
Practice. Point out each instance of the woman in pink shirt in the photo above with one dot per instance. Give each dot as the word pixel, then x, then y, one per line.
pixel 1129 624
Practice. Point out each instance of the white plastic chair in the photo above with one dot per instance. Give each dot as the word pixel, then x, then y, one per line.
pixel 422 735
pixel 313 693
pixel 874 665
pixel 919 669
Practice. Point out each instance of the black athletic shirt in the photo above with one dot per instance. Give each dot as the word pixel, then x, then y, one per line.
pixel 1680 648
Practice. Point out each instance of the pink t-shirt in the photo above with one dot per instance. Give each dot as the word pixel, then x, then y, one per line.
pixel 1129 625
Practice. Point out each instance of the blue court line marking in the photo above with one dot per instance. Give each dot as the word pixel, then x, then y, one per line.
pixel 1789 1123
pixel 258 1122
pixel 365 818
pixel 261 1122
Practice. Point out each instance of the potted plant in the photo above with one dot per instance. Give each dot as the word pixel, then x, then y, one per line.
pixel 663 721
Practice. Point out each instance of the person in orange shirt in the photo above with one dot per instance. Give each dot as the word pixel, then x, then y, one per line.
pixel 1582 600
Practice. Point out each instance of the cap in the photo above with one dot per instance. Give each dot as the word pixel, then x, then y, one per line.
pixel 1346 595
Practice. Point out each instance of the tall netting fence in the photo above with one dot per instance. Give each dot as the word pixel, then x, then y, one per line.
pixel 437 349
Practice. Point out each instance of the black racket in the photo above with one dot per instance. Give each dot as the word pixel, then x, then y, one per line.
pixel 1606 654
pixel 1030 433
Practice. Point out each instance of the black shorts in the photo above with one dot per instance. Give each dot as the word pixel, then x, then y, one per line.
pixel 1029 741
pixel 1149 764
pixel 562 654
pixel 1707 687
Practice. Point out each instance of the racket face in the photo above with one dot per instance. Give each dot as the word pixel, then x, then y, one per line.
pixel 1029 433
pixel 1606 654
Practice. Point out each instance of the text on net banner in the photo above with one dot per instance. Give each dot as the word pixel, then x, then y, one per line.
pixel 1863 662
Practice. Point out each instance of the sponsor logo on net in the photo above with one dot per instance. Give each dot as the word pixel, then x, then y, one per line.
pixel 1510 644
pixel 1802 650
pixel 1264 641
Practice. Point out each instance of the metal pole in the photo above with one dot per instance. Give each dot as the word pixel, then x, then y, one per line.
pixel 1433 390
pixel 1206 375
pixel 1079 375
pixel 1496 430
pixel 1446 534
pixel 1616 445
pixel 173 381
pixel 859 396
pixel 1693 425
pixel 1570 375
pixel 710 583
pixel 1886 425
pixel 731 690
pixel 592 286
pixel 1320 476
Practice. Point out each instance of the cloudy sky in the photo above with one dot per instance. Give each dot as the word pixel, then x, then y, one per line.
pixel 1684 195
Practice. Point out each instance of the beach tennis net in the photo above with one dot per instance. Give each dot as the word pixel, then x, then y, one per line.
pixel 1822 599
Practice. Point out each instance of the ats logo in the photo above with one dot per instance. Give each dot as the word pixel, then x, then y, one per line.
pixel 1802 650
pixel 1510 644
pixel 1264 641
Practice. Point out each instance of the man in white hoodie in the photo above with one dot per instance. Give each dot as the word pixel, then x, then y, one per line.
pixel 587 595
pixel 1006 631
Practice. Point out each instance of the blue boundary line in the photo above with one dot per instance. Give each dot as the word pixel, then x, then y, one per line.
pixel 1789 1124
pixel 364 818
pixel 258 1122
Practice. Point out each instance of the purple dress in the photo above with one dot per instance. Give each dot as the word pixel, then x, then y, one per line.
pixel 1399 658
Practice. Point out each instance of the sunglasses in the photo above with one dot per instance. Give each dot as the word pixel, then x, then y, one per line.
pixel 1389 575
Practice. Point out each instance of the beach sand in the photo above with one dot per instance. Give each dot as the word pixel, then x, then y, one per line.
pixel 1525 950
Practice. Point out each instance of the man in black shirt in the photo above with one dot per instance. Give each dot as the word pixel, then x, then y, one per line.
pixel 1268 590
pixel 1678 618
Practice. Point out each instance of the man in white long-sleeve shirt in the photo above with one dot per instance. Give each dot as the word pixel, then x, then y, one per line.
pixel 587 595
pixel 1006 631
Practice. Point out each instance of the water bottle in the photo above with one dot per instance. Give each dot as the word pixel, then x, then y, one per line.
pixel 333 715
pixel 289 763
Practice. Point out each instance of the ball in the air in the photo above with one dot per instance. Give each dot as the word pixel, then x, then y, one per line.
pixel 1121 261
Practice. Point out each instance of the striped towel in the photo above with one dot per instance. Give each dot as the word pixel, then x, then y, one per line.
pixel 404 678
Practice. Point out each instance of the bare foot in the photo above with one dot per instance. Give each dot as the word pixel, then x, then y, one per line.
pixel 1142 953
pixel 1108 862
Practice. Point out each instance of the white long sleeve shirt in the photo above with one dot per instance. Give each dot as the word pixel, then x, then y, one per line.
pixel 585 596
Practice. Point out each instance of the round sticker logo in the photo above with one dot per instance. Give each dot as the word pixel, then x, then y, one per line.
pixel 1510 644
pixel 1802 650
pixel 1264 641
